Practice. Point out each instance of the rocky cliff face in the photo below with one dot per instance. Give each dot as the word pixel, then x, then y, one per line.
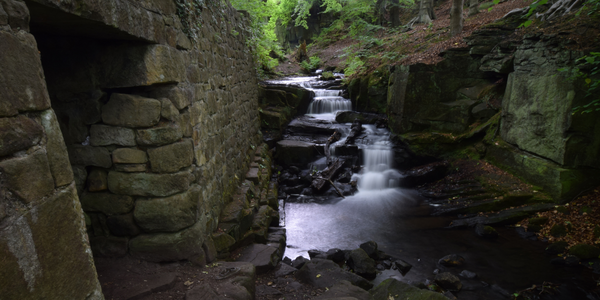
pixel 143 115
pixel 537 137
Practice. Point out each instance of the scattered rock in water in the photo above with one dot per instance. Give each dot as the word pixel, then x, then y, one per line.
pixel 361 263
pixel 452 260
pixel 557 248
pixel 317 254
pixel 526 234
pixel 299 262
pixel 448 281
pixel 336 255
pixel 402 266
pixel 322 273
pixel 584 251
pixel 485 231
pixel 467 274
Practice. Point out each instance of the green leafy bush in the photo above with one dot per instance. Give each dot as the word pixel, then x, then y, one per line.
pixel 588 70
pixel 310 65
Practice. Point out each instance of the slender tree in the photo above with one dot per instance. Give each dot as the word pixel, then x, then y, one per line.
pixel 456 17
pixel 395 13
pixel 424 12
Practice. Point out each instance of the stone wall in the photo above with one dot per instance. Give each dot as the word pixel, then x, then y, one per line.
pixel 144 113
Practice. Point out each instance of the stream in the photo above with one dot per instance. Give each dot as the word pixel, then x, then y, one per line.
pixel 399 220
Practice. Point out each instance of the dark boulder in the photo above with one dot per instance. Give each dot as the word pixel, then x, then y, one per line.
pixel 425 174
pixel 448 281
pixel 362 264
pixel 452 260
pixel 484 231
pixel 322 273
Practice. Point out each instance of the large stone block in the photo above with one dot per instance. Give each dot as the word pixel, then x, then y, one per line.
pixel 168 110
pixel 159 135
pixel 90 156
pixel 129 156
pixel 144 66
pixel 18 133
pixel 22 79
pixel 102 135
pixel 45 253
pixel 169 246
pixel 150 185
pixel 167 214
pixel 29 178
pixel 17 12
pixel 58 157
pixel 107 203
pixel 171 158
pixel 295 152
pixel 131 111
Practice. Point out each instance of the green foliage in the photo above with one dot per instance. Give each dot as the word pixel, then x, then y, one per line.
pixel 588 70
pixel 353 66
pixel 532 9
pixel 592 6
pixel 312 64
pixel 495 2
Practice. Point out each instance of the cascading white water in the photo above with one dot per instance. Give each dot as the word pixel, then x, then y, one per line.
pixel 326 103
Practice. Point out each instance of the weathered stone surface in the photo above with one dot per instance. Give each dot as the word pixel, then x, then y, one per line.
pixel 152 185
pixel 263 257
pixel 584 251
pixel 295 152
pixel 122 225
pixel 160 135
pixel 153 283
pixel 452 260
pixel 131 168
pixel 404 291
pixel 22 79
pixel 168 246
pixel 107 203
pixel 330 275
pixel 18 133
pixel 27 178
pixel 17 14
pixel 167 214
pixel 102 135
pixel 171 158
pixel 90 156
pixel 209 249
pixel 131 111
pixel 58 157
pixel 359 261
pixel 168 110
pixel 222 241
pixel 144 66
pixel 129 156
pixel 33 264
pixel 364 118
pixel 96 181
pixel 79 174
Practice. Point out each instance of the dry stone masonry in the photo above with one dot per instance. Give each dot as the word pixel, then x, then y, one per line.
pixel 131 123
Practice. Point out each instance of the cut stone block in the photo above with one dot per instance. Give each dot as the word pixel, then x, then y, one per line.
pixel 131 111
pixel 18 133
pixel 103 135
pixel 29 177
pixel 167 214
pixel 152 185
pixel 129 156
pixel 171 158
pixel 160 135
pixel 90 156
pixel 106 203
pixel 169 246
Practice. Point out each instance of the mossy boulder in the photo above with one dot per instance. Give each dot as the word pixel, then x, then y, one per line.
pixel 584 251
pixel 538 221
pixel 557 248
pixel 558 230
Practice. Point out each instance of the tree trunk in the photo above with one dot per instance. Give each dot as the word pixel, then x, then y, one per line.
pixel 456 17
pixel 473 7
pixel 431 12
pixel 380 11
pixel 395 13
pixel 424 12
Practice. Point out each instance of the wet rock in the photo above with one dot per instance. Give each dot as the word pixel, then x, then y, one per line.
pixel 322 273
pixel 526 234
pixel 448 281
pixel 584 251
pixel 294 152
pixel 484 231
pixel 362 264
pixel 345 290
pixel 317 254
pixel 404 291
pixel 425 174
pixel 557 247
pixel 505 217
pixel 336 255
pixel 299 262
pixel 467 274
pixel 452 260
pixel 365 118
pixel 370 248
pixel 401 266
pixel 263 257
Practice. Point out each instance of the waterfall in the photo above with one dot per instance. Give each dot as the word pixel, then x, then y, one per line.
pixel 378 158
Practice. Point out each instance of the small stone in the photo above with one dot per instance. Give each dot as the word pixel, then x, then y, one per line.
pixel 448 281
pixel 370 248
pixel 452 260
pixel 402 266
pixel 299 262
pixel 467 274
pixel 335 255
pixel 485 231
pixel 96 181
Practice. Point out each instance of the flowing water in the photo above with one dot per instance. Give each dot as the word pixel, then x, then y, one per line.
pixel 396 219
